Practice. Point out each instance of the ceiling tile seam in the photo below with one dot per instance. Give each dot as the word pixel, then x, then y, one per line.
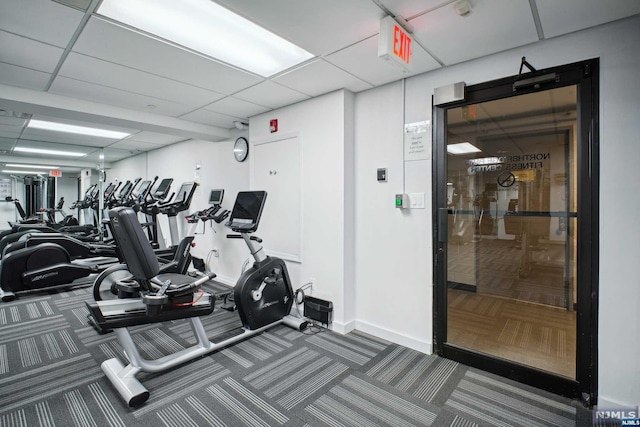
pixel 173 44
pixel 324 57
pixel 26 68
pixel 178 46
pixel 2 30
pixel 125 91
pixel 74 38
pixel 204 107
pixel 145 72
pixel 333 65
pixel 536 18
pixel 418 15
pixel 431 54
pixel 269 80
pixel 208 58
pixel 69 5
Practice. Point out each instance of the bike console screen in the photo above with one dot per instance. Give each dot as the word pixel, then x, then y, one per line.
pixel 247 211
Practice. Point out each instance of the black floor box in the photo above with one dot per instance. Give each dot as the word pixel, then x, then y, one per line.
pixel 318 310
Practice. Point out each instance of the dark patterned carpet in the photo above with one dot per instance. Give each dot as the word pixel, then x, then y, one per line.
pixel 50 375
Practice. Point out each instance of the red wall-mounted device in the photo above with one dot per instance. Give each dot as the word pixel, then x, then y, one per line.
pixel 273 125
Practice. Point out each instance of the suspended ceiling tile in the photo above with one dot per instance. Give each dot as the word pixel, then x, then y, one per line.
pixel 105 40
pixel 9 131
pixel 155 138
pixel 23 77
pixel 492 26
pixel 6 145
pixel 83 123
pixel 82 5
pixel 362 61
pixel 562 17
pixel 28 53
pixel 130 144
pixel 410 8
pixel 8 119
pixel 53 146
pixel 92 70
pixel 65 138
pixel 236 107
pixel 120 98
pixel 210 118
pixel 320 27
pixel 112 155
pixel 271 94
pixel 320 77
pixel 42 20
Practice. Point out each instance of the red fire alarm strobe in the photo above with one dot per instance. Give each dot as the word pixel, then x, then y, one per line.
pixel 273 125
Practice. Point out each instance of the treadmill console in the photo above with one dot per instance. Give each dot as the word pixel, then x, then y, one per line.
pixel 216 196
pixel 162 189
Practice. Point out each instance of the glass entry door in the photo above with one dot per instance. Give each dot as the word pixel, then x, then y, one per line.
pixel 512 238
pixel 512 213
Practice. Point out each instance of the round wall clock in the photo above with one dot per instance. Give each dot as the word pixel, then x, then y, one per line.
pixel 241 149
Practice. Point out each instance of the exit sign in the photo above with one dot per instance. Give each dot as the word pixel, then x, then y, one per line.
pixel 55 172
pixel 394 44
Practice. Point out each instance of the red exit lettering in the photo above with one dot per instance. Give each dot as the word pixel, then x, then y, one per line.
pixel 401 44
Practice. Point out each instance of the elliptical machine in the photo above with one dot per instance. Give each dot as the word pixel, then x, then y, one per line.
pixel 263 294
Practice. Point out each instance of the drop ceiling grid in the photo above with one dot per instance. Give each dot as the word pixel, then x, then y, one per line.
pixel 320 76
pixel 362 60
pixel 155 138
pixel 55 146
pixel 105 40
pixel 23 77
pixel 410 8
pixel 41 20
pixel 27 53
pixel 116 97
pixel 211 118
pixel 99 72
pixel 236 107
pixel 271 95
pixel 320 27
pixel 455 39
pixel 64 138
pixel 567 16
pixel 129 144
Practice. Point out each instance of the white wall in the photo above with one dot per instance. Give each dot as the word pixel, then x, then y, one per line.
pixel 327 249
pixel 393 264
pixel 130 169
pixel 394 274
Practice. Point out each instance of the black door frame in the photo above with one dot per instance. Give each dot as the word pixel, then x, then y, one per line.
pixel 585 75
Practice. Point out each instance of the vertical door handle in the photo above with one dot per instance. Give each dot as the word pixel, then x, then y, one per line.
pixel 443 222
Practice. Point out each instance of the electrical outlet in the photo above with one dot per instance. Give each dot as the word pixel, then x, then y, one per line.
pixel 215 253
pixel 312 281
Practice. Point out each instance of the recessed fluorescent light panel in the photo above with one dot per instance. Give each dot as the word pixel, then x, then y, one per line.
pixel 23 172
pixel 52 152
pixel 462 148
pixel 210 29
pixel 12 165
pixel 81 130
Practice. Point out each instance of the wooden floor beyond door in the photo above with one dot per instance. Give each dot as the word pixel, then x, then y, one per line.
pixel 537 335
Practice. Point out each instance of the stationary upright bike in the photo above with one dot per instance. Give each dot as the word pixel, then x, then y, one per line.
pixel 263 295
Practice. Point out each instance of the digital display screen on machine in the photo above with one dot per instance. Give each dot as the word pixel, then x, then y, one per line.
pixel 247 209
pixel 215 198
